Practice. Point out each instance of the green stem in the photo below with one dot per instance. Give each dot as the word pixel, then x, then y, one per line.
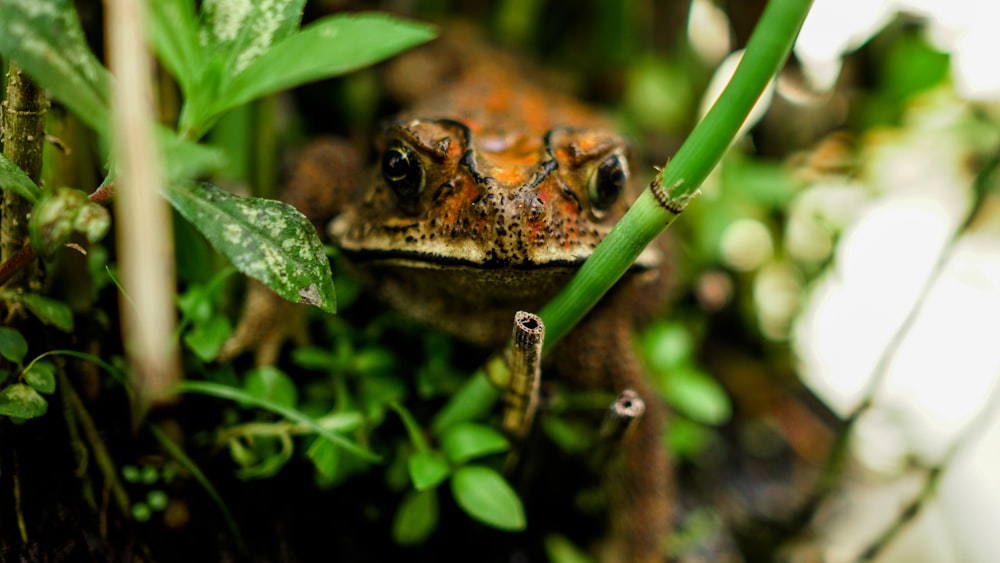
pixel 23 128
pixel 678 183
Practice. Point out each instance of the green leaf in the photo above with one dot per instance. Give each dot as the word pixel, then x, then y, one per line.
pixel 485 495
pixel 416 518
pixel 41 376
pixel 466 441
pixel 13 346
pixel 44 37
pixel 206 339
pixel 560 550
pixel 271 384
pixel 473 400
pixel 185 159
pixel 697 396
pixel 21 401
pixel 13 179
pixel 240 32
pixel 265 239
pixel 234 394
pixel 325 456
pixel 61 213
pixel 173 32
pixel 329 47
pixel 49 311
pixel 427 470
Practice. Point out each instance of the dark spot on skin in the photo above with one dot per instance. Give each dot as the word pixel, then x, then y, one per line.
pixel 410 239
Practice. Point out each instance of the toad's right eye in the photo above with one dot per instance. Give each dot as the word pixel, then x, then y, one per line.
pixel 402 171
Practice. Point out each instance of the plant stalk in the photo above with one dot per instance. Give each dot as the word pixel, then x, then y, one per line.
pixel 145 248
pixel 23 140
pixel 670 192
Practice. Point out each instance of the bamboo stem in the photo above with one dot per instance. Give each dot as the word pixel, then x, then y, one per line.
pixel 521 395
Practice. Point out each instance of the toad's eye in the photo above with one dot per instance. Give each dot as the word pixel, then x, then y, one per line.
pixel 401 169
pixel 608 182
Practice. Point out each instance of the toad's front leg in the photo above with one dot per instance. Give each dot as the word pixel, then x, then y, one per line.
pixel 599 354
pixel 325 175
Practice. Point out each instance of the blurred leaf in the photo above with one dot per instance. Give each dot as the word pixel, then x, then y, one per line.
pixel 49 311
pixel 315 358
pixel 271 384
pixel 561 550
pixel 325 456
pixel 763 183
pixel 187 160
pixel 265 239
pixel 697 396
pixel 329 47
pixel 687 439
pixel 667 345
pixel 206 339
pixel 416 518
pixel 13 346
pixel 473 400
pixel 235 394
pixel 62 212
pixel 270 464
pixel 21 401
pixel 44 37
pixel 13 179
pixel 466 441
pixel 173 32
pixel 41 376
pixel 911 66
pixel 569 437
pixel 379 389
pixel 485 495
pixel 427 470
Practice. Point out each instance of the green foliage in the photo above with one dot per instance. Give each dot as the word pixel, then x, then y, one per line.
pixel 467 441
pixel 427 469
pixel 15 180
pixel 41 376
pixel 485 495
pixel 13 346
pixel 271 384
pixel 265 239
pixel 416 518
pixel 44 37
pixel 49 311
pixel 234 394
pixel 235 52
pixel 668 348
pixel 19 400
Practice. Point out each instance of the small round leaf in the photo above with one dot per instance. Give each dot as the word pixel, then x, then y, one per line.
pixel 42 377
pixel 271 384
pixel 21 401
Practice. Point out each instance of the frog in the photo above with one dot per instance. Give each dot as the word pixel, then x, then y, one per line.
pixel 487 194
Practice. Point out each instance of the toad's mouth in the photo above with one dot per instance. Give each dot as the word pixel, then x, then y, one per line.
pixel 647 260
pixel 419 259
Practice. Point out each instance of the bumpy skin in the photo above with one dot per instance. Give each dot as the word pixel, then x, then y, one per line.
pixel 488 195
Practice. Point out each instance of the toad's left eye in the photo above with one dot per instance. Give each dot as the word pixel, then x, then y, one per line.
pixel 608 182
